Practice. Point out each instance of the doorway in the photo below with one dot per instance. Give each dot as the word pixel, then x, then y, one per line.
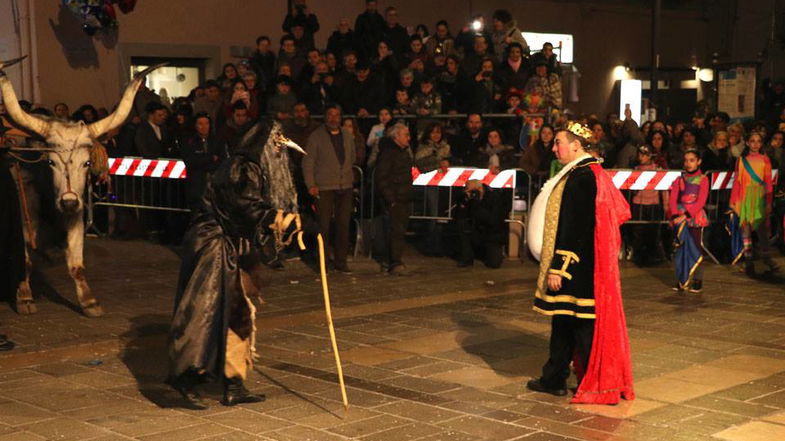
pixel 175 80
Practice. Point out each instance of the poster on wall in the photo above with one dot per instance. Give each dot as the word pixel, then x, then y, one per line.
pixel 736 92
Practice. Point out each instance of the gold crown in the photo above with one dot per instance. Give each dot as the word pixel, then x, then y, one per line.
pixel 579 130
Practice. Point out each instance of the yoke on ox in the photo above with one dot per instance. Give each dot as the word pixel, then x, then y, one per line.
pixel 67 151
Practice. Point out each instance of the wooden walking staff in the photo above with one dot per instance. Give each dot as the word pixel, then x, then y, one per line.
pixel 329 314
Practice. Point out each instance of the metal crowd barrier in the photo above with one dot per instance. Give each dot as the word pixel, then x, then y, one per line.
pixel 160 185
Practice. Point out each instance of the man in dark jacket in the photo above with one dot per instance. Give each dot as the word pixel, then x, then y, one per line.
pixel 368 27
pixel 263 62
pixel 342 40
pixel 327 169
pixel 394 181
pixel 202 154
pixel 151 137
pixel 481 225
pixel 301 15
pixel 394 34
pixel 362 95
pixel 468 143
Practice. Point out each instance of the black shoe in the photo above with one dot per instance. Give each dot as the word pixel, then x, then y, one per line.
pixel 236 393
pixel 465 264
pixel 400 270
pixel 696 287
pixel 5 344
pixel 537 386
pixel 749 268
pixel 769 262
pixel 343 269
pixel 184 384
pixel 677 287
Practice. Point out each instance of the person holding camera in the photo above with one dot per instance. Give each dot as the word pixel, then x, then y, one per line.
pixel 481 225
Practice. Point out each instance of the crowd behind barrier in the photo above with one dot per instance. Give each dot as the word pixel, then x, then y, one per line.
pixel 148 184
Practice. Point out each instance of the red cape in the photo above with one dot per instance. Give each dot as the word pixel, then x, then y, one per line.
pixel 608 376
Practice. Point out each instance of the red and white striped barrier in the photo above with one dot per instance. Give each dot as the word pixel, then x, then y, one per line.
pixel 147 168
pixel 724 180
pixel 643 180
pixel 457 177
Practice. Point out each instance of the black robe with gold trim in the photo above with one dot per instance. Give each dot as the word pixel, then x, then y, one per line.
pixel 569 227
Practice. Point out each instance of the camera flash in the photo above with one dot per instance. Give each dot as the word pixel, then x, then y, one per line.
pixel 476 25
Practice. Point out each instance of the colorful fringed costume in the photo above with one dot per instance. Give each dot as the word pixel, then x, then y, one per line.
pixel 751 199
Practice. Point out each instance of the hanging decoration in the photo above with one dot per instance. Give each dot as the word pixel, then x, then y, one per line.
pixel 98 15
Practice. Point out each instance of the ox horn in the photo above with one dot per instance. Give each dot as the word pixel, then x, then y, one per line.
pixel 120 114
pixel 37 125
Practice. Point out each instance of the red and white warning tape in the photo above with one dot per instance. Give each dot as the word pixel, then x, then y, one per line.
pixel 724 180
pixel 457 177
pixel 643 180
pixel 453 177
pixel 147 168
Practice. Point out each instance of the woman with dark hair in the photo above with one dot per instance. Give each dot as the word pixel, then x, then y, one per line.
pixel 350 124
pixel 496 156
pixel 433 153
pixel 422 31
pixel 485 90
pixel 86 113
pixel 688 140
pixel 433 148
pixel 537 159
pixel 385 66
pixel 228 73
pixel 441 43
pixel 645 129
pixel 449 84
pixel 659 144
pixel 181 124
pixel 240 93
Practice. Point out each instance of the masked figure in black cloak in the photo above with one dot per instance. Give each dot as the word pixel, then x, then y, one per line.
pixel 249 204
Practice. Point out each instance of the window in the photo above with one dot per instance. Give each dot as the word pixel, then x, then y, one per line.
pixel 172 81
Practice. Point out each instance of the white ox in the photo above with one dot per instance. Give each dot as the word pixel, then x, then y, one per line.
pixel 68 153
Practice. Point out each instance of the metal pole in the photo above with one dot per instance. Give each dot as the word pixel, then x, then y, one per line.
pixel 655 54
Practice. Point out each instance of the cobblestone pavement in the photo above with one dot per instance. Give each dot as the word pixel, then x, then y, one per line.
pixel 441 355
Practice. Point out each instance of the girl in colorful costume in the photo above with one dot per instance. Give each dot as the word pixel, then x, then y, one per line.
pixel 751 199
pixel 687 198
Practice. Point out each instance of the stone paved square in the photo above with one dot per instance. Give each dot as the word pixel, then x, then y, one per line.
pixel 441 355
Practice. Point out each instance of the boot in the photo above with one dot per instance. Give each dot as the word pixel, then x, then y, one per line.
pixel 749 268
pixel 769 262
pixel 185 384
pixel 696 287
pixel 236 393
pixel 6 344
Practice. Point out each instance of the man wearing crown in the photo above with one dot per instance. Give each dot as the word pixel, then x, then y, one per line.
pixel 574 232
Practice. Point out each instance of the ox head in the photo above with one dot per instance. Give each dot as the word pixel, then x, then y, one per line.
pixel 68 143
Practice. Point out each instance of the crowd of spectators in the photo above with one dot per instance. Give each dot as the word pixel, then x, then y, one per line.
pixel 380 72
